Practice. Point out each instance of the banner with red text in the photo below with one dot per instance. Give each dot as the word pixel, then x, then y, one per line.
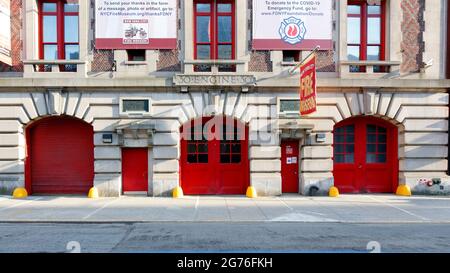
pixel 308 94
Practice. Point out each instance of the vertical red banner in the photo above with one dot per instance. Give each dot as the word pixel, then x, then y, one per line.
pixel 308 103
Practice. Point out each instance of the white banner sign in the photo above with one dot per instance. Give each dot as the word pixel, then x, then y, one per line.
pixel 5 32
pixel 292 24
pixel 127 24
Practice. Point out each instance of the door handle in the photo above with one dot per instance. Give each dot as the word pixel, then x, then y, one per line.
pixel 359 166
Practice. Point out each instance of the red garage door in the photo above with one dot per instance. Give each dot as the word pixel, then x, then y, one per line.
pixel 365 156
pixel 214 156
pixel 60 156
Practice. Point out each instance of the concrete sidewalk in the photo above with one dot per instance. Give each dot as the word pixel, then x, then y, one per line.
pixel 288 208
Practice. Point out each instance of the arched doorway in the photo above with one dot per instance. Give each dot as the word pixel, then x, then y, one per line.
pixel 214 156
pixel 365 155
pixel 60 156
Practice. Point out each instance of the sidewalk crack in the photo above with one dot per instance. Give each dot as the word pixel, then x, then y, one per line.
pixel 129 230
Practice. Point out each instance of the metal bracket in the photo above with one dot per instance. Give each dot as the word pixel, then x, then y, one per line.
pixel 292 70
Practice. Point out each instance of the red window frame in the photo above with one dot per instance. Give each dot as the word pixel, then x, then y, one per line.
pixel 345 134
pixel 214 15
pixel 60 39
pixel 380 139
pixel 199 155
pixel 230 143
pixel 364 17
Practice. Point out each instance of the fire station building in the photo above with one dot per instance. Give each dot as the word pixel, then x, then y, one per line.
pixel 144 96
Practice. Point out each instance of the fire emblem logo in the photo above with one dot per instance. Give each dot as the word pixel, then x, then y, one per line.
pixel 292 30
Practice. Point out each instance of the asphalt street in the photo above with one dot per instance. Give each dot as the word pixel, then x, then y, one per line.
pixel 290 223
pixel 291 237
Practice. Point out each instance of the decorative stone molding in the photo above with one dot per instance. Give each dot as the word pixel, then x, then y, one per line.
pixel 295 130
pixel 54 101
pixel 138 134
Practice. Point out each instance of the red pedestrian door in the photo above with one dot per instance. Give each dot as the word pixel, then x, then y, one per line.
pixel 365 156
pixel 134 170
pixel 60 156
pixel 289 166
pixel 214 156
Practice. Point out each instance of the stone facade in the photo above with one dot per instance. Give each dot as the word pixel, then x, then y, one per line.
pixel 414 99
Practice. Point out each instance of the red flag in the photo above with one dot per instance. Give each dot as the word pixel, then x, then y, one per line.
pixel 308 103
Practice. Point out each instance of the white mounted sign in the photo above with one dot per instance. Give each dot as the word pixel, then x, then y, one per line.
pixel 127 24
pixel 5 32
pixel 292 24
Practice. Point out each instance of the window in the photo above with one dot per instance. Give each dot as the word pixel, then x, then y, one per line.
pixel 203 145
pixel 197 146
pixel 135 106
pixel 376 144
pixel 230 144
pixel 365 33
pixel 136 54
pixel 289 107
pixel 344 144
pixel 214 26
pixel 59 38
pixel 291 56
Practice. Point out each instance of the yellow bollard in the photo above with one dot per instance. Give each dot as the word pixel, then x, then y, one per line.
pixel 251 192
pixel 333 192
pixel 93 193
pixel 20 193
pixel 177 192
pixel 403 190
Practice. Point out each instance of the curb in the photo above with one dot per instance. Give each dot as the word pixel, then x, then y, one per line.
pixel 212 221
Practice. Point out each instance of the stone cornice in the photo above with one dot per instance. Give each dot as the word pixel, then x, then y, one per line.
pixel 166 83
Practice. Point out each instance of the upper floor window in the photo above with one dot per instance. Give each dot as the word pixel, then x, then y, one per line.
pixel 214 36
pixel 366 32
pixel 136 55
pixel 291 56
pixel 58 28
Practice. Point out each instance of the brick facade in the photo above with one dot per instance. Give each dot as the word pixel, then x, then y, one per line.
pixel 103 60
pixel 412 44
pixel 260 61
pixel 325 61
pixel 16 41
pixel 168 60
pixel 413 26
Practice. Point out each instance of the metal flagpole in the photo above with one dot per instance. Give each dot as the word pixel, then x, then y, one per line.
pixel 292 70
